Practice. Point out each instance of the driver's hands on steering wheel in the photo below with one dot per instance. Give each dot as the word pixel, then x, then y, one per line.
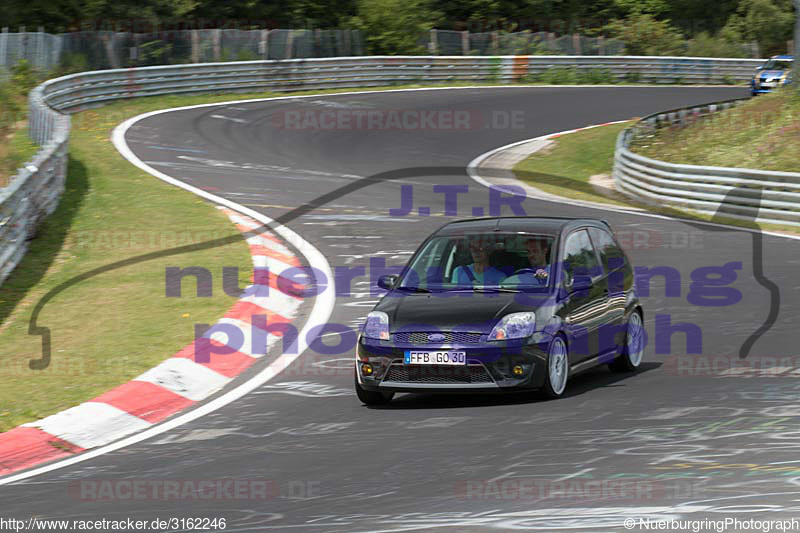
pixel 539 273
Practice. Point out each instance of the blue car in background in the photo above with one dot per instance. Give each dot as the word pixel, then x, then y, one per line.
pixel 775 72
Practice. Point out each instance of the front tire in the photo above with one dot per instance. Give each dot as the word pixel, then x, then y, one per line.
pixel 557 368
pixel 369 397
pixel 631 357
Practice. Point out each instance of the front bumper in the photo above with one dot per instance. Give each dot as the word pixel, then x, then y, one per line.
pixel 488 369
pixel 765 86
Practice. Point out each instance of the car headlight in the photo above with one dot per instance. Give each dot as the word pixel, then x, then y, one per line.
pixel 377 326
pixel 514 326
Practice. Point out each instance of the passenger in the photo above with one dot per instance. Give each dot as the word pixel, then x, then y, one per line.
pixel 480 271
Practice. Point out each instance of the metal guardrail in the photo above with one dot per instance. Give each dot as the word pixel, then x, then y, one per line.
pixel 34 192
pixel 738 193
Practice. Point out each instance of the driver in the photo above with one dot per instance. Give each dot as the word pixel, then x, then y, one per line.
pixel 539 269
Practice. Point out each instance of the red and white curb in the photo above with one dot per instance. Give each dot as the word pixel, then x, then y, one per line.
pixel 177 383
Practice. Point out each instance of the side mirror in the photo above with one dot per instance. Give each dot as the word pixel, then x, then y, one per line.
pixel 387 281
pixel 581 283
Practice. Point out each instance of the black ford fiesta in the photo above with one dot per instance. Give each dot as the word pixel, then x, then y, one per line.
pixel 502 304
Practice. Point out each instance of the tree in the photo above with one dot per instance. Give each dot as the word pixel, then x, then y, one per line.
pixel 395 26
pixel 767 22
pixel 643 34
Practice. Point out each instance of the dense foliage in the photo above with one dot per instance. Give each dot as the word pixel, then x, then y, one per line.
pixel 395 26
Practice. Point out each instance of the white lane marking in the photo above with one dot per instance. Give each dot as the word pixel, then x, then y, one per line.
pixel 351 237
pixel 89 425
pixel 340 363
pixel 473 170
pixel 575 474
pixel 320 313
pixel 232 119
pixel 307 389
pixel 186 378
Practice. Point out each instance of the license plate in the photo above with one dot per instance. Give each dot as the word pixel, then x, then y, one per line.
pixel 413 357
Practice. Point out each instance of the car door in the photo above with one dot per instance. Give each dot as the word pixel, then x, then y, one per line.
pixel 584 309
pixel 616 274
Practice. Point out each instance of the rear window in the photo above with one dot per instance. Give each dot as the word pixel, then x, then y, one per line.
pixel 611 255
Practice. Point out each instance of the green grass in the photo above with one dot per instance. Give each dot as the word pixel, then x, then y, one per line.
pixel 564 168
pixel 763 133
pixel 15 149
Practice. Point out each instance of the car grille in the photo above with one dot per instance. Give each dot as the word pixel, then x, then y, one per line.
pixel 450 337
pixel 442 374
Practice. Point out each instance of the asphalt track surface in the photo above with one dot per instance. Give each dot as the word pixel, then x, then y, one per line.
pixel 710 446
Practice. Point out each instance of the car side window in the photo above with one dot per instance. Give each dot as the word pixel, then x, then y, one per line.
pixel 611 255
pixel 579 256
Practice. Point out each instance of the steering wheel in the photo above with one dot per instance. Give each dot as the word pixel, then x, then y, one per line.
pixel 530 270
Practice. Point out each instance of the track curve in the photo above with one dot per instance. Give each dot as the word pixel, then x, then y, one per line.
pixel 729 443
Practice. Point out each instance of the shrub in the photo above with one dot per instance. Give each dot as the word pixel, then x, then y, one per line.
pixel 706 45
pixel 644 35
pixel 23 77
pixel 596 76
pixel 633 77
pixel 71 63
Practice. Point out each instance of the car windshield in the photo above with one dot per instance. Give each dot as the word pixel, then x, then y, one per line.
pixel 777 64
pixel 506 261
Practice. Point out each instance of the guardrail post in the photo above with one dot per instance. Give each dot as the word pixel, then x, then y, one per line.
pixel 23 43
pixel 216 40
pixel 289 44
pixel 433 44
pixel 195 40
pixel 465 43
pixel 4 47
pixel 263 44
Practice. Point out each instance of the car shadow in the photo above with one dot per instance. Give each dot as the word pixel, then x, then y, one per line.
pixel 596 378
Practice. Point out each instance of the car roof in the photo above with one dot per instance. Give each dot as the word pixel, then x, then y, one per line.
pixel 545 225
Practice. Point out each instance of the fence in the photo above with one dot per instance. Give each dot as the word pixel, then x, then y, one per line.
pixel 34 191
pixel 739 193
pixel 97 50
pixel 447 42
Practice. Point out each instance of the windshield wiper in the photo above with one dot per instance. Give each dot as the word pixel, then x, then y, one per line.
pixel 412 289
pixel 485 289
